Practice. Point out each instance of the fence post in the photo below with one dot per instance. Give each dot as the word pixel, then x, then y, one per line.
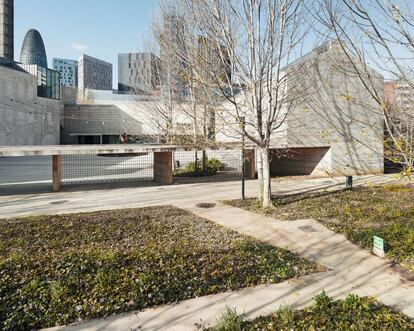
pixel 163 168
pixel 250 164
pixel 56 173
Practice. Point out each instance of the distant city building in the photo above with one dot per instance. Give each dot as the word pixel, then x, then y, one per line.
pixel 400 95
pixel 93 74
pixel 7 29
pixel 173 67
pixel 33 49
pixel 68 70
pixel 138 72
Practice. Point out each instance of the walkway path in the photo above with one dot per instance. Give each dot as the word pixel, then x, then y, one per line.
pixel 352 270
pixel 107 197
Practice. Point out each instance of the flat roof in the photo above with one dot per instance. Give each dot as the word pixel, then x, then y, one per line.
pixel 88 149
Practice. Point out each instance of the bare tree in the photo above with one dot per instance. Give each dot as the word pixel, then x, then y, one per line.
pixel 182 71
pixel 252 41
pixel 379 34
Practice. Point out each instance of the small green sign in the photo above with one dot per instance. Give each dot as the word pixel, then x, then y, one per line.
pixel 378 247
pixel 378 243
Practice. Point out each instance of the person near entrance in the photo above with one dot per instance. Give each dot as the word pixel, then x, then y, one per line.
pixel 123 138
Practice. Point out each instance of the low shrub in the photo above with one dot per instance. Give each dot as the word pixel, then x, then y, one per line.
pixel 352 313
pixel 212 167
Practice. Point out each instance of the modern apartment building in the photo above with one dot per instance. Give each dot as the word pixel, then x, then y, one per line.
pixel 68 70
pixel 138 73
pixel 7 29
pixel 93 74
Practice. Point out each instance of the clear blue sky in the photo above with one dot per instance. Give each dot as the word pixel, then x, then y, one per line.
pixel 100 28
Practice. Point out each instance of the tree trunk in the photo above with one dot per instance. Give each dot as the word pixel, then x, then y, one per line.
pixel 267 193
pixel 260 172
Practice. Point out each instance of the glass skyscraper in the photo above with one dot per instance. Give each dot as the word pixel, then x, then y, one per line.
pixel 33 49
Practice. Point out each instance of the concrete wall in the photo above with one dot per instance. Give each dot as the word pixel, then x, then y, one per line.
pixel 98 120
pixel 26 119
pixel 301 161
pixel 334 109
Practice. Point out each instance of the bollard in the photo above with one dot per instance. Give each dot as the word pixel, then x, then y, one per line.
pixel 349 182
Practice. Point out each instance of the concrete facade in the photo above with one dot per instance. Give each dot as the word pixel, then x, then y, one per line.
pixel 68 70
pixel 25 118
pixel 136 115
pixel 332 126
pixel 93 74
pixel 100 123
pixel 7 29
pixel 333 109
pixel 138 72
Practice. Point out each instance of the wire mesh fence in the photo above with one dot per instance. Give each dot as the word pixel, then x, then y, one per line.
pixel 84 169
pixel 88 169
pixel 208 163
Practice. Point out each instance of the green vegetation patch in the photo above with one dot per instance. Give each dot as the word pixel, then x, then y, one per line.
pixel 359 214
pixel 55 270
pixel 212 167
pixel 352 313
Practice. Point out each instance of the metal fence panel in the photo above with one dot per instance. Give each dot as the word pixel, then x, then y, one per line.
pixel 89 169
pixel 85 169
pixel 228 161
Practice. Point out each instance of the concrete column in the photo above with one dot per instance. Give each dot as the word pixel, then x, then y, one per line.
pixel 250 163
pixel 57 172
pixel 163 168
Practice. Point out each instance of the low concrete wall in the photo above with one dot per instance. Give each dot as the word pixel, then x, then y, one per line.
pixel 301 161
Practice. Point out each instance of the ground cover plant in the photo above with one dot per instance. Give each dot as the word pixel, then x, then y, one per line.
pixel 352 313
pixel 59 269
pixel 359 214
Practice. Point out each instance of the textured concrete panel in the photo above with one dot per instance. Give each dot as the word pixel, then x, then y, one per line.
pixel 26 119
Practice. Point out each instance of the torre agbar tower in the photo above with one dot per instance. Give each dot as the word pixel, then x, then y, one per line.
pixel 7 29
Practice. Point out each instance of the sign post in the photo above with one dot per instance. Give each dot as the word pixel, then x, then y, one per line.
pixel 378 247
pixel 243 127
